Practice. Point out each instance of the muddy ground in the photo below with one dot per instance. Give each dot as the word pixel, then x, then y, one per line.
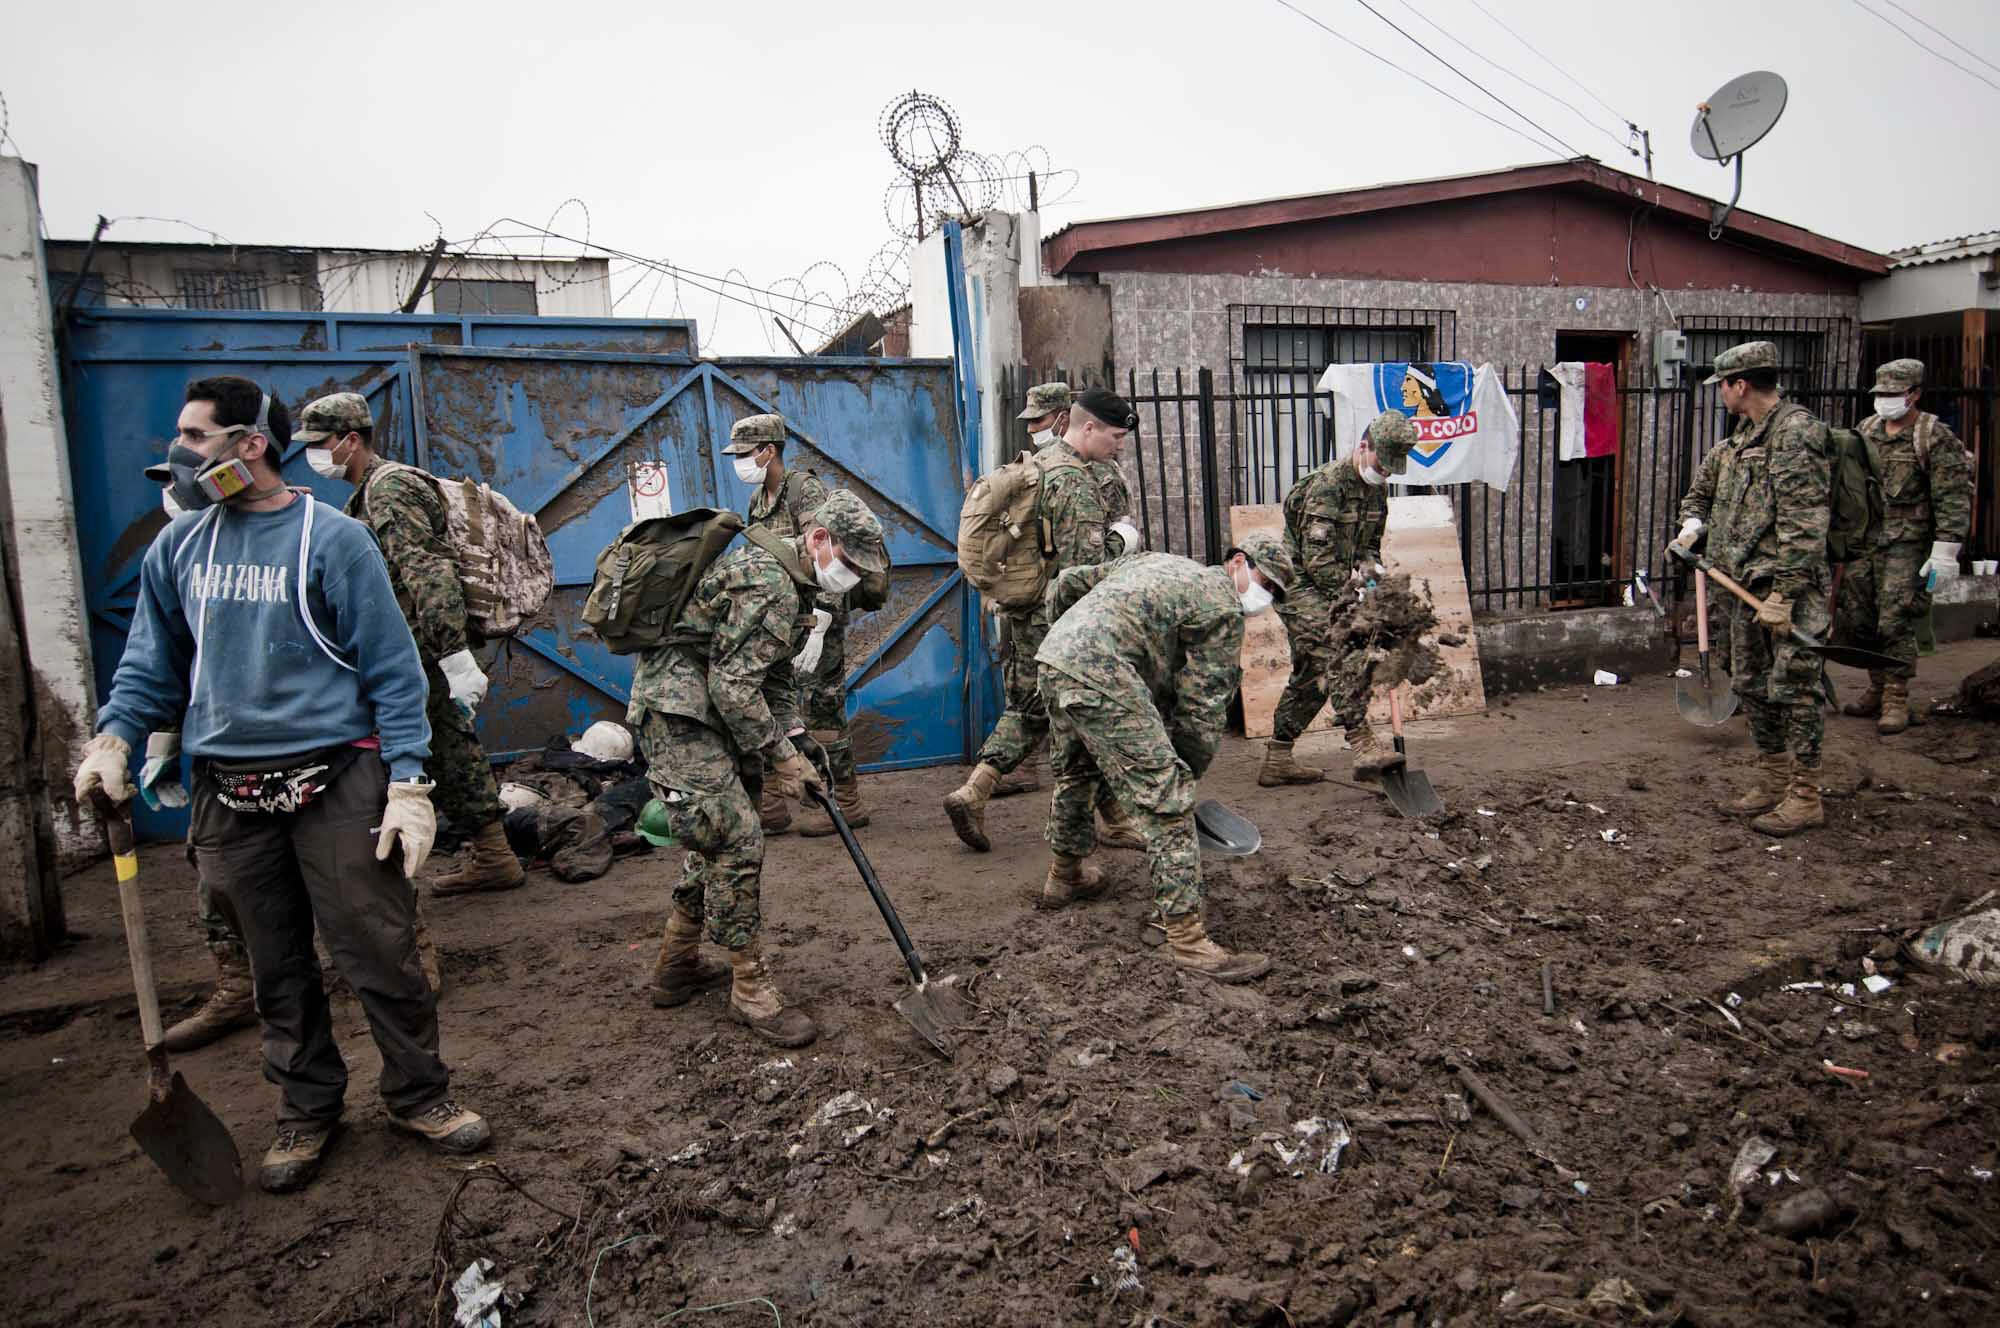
pixel 1074 1164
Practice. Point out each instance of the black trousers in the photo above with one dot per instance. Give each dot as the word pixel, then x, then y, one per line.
pixel 286 871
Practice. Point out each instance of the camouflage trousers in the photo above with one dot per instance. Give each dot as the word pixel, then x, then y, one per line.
pixel 1025 723
pixel 1882 600
pixel 710 792
pixel 466 790
pixel 1780 684
pixel 1099 742
pixel 1318 672
pixel 823 700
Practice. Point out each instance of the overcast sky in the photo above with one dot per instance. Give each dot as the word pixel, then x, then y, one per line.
pixel 743 136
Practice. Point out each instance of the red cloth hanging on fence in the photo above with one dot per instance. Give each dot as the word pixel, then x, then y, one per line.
pixel 1600 410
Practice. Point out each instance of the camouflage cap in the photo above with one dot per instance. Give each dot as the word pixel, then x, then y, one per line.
pixel 1266 553
pixel 1392 436
pixel 1045 399
pixel 753 431
pixel 1739 359
pixel 333 416
pixel 849 521
pixel 1897 377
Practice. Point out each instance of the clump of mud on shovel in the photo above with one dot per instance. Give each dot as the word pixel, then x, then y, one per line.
pixel 1393 623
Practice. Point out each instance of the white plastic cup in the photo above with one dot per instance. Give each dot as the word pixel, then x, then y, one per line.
pixel 1604 679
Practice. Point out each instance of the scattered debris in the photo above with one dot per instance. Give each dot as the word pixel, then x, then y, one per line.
pixel 1966 946
pixel 1843 1071
pixel 698 1149
pixel 1098 1052
pixel 1749 1163
pixel 479 1296
pixel 1604 678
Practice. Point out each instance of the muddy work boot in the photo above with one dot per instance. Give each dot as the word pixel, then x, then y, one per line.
pixel 232 1005
pixel 1191 949
pixel 294 1156
pixel 1117 830
pixel 680 974
pixel 756 1001
pixel 1069 880
pixel 1869 703
pixel 966 806
pixel 1895 716
pixel 774 814
pixel 488 863
pixel 1774 776
pixel 1372 756
pixel 814 822
pixel 447 1127
pixel 1280 769
pixel 1801 809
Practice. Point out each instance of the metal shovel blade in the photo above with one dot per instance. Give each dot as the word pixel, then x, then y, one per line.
pixel 934 1007
pixel 1222 833
pixel 1703 705
pixel 188 1142
pixel 1410 792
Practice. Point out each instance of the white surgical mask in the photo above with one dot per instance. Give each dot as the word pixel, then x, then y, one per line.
pixel 1372 477
pixel 836 578
pixel 749 471
pixel 168 505
pixel 1892 408
pixel 1255 600
pixel 1042 437
pixel 323 465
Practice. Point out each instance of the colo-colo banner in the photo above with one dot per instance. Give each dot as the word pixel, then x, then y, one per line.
pixel 1466 427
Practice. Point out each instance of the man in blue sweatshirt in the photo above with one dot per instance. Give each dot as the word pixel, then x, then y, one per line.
pixel 267 620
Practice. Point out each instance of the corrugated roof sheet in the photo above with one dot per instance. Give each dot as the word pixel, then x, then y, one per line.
pixel 1944 251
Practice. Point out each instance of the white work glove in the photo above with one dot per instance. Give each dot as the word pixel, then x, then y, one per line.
pixel 106 765
pixel 1127 532
pixel 408 818
pixel 1941 566
pixel 1683 543
pixel 808 658
pixel 160 776
pixel 462 676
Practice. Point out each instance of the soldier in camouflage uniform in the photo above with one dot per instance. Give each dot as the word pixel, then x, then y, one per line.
pixel 1084 533
pixel 1334 519
pixel 714 707
pixel 1137 672
pixel 1927 513
pixel 1761 495
pixel 402 505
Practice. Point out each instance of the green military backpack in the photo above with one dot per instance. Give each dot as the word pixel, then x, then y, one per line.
pixel 645 576
pixel 1854 494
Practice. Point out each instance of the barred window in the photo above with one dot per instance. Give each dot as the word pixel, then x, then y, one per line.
pixel 207 288
pixel 454 295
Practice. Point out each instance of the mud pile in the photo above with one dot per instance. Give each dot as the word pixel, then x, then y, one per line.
pixel 1393 622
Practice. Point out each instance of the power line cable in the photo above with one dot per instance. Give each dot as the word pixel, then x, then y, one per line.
pixel 1623 140
pixel 1516 130
pixel 1942 33
pixel 1911 38
pixel 1623 118
pixel 1509 107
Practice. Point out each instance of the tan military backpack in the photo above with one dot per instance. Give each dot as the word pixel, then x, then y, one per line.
pixel 1005 547
pixel 504 567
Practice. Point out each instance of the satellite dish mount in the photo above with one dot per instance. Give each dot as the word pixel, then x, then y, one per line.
pixel 1730 123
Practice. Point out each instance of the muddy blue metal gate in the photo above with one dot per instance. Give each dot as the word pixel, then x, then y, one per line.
pixel 562 415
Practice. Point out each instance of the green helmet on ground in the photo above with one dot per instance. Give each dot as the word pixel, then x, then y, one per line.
pixel 653 827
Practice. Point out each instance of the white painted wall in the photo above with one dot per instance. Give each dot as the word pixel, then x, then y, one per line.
pixel 37 461
pixel 1930 288
pixel 352 282
pixel 993 306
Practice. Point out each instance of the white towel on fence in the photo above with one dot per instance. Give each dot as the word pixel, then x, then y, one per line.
pixel 1569 376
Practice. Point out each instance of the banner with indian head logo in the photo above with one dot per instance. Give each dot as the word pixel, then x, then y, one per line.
pixel 1467 431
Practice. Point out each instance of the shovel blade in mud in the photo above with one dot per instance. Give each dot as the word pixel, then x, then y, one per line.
pixel 934 1008
pixel 1222 833
pixel 191 1145
pixel 1410 792
pixel 1703 705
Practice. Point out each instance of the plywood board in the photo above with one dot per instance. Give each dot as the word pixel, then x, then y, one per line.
pixel 1422 541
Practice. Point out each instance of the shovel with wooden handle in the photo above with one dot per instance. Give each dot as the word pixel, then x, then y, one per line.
pixel 177 1130
pixel 1852 656
pixel 1408 789
pixel 1703 705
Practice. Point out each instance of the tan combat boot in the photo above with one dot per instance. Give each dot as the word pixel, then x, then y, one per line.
pixel 1774 776
pixel 1372 756
pixel 680 973
pixel 1071 879
pixel 966 806
pixel 1188 943
pixel 1279 768
pixel 1802 808
pixel 1023 778
pixel 1869 702
pixel 1895 715
pixel 774 813
pixel 488 863
pixel 1117 830
pixel 755 1000
pixel 232 1005
pixel 814 822
pixel 294 1156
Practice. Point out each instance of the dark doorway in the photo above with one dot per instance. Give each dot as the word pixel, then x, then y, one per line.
pixel 1583 521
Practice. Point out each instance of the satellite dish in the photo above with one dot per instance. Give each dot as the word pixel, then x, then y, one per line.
pixel 1733 120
